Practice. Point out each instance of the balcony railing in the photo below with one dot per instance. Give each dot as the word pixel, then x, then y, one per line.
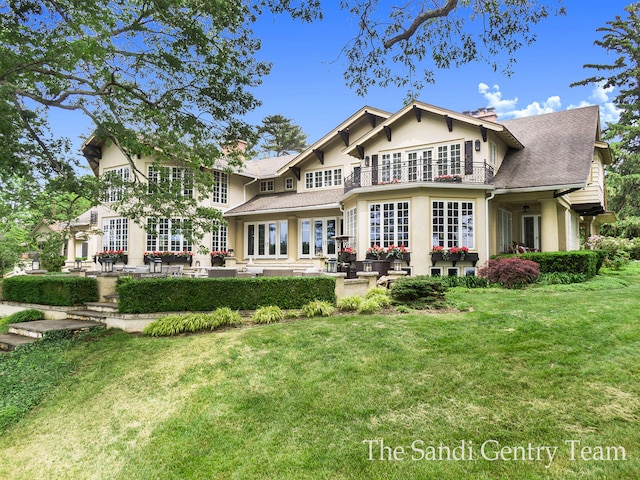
pixel 418 171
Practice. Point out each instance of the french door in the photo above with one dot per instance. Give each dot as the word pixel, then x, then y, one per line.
pixel 531 226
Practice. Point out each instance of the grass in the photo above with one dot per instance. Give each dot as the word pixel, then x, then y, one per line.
pixel 543 365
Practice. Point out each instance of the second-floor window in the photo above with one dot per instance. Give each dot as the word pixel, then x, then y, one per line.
pixel 117 176
pixel 267 186
pixel 221 187
pixel 179 178
pixel 391 168
pixel 449 160
pixel 323 178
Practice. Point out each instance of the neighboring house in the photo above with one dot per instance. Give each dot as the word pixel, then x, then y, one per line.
pixel 81 232
pixel 421 177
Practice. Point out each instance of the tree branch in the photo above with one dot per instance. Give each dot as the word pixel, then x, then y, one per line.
pixel 419 20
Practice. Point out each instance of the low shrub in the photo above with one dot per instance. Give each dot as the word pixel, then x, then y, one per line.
pixel 420 291
pixel 370 305
pixel 576 261
pixel 29 315
pixel 317 308
pixel 376 291
pixel 207 294
pixel 350 303
pixel 469 281
pixel 561 278
pixel 510 272
pixel 270 314
pixel 192 322
pixel 62 290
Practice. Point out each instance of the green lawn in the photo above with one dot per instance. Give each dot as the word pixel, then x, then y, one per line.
pixel 555 366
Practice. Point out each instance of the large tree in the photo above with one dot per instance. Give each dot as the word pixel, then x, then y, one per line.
pixel 621 37
pixel 281 136
pixel 174 78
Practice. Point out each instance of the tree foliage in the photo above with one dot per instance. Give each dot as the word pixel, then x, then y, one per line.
pixel 621 37
pixel 395 42
pixel 281 136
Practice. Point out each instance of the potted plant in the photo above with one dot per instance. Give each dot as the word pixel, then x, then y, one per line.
pixel 375 252
pixel 347 255
pixel 218 257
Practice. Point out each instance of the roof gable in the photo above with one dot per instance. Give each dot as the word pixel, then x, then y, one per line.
pixel 558 149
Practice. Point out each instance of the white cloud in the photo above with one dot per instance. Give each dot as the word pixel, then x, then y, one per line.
pixel 506 109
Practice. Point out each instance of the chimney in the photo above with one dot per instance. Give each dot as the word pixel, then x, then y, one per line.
pixel 484 113
pixel 240 148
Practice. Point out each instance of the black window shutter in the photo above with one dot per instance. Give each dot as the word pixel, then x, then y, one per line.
pixel 468 157
pixel 374 169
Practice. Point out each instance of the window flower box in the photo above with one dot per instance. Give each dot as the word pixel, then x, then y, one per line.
pixel 218 257
pixel 448 178
pixel 169 257
pixel 454 257
pixel 115 256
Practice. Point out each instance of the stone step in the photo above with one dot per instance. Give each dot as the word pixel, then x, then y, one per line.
pixel 111 298
pixel 9 341
pixel 88 316
pixel 109 307
pixel 38 328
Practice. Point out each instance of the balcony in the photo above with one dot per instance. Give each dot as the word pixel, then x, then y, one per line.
pixel 418 171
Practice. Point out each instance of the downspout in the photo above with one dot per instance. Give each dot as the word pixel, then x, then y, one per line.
pixel 486 230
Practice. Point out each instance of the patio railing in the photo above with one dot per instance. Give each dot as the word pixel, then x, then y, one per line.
pixel 418 171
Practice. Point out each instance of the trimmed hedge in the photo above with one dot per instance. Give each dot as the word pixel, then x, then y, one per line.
pixel 586 262
pixel 205 294
pixel 60 290
pixel 576 261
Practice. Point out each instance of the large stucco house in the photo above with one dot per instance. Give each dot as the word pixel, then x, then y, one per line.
pixel 421 177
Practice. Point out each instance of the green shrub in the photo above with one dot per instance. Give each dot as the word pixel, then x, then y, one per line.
pixel 561 278
pixel 577 261
pixel 317 308
pixel 469 281
pixel 207 294
pixel 403 309
pixel 268 314
pixel 29 315
pixel 62 290
pixel 350 303
pixel 370 305
pixel 420 291
pixel 510 272
pixel 192 322
pixel 376 291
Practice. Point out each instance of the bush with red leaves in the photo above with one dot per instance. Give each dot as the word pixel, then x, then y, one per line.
pixel 511 272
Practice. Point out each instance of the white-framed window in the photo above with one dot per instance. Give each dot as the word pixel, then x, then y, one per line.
pixel 269 239
pixel 435 271
pixel 453 224
pixel 219 237
pixel 317 237
pixel 420 165
pixel 389 224
pixel 220 187
pixel 505 230
pixel 180 178
pixel 115 234
pixel 323 178
pixel 119 175
pixel 391 167
pixel 469 271
pixel 288 183
pixel 453 271
pixel 351 226
pixel 449 159
pixel 169 234
pixel 493 154
pixel 267 186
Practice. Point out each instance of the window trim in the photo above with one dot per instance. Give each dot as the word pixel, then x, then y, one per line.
pixel 394 229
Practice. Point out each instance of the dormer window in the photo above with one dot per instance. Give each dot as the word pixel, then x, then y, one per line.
pixel 267 186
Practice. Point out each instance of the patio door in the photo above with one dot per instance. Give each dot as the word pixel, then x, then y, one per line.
pixel 317 237
pixel 531 226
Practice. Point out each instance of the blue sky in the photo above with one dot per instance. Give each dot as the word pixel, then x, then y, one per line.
pixel 306 82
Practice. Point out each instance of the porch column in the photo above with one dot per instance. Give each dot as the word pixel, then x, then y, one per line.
pixel 362 228
pixel 236 234
pixel 292 233
pixel 549 241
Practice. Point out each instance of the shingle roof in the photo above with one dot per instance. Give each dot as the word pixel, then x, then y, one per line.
pixel 288 201
pixel 558 149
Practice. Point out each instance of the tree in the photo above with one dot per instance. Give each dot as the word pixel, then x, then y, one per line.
pixel 279 135
pixel 622 38
pixel 393 42
pixel 173 78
